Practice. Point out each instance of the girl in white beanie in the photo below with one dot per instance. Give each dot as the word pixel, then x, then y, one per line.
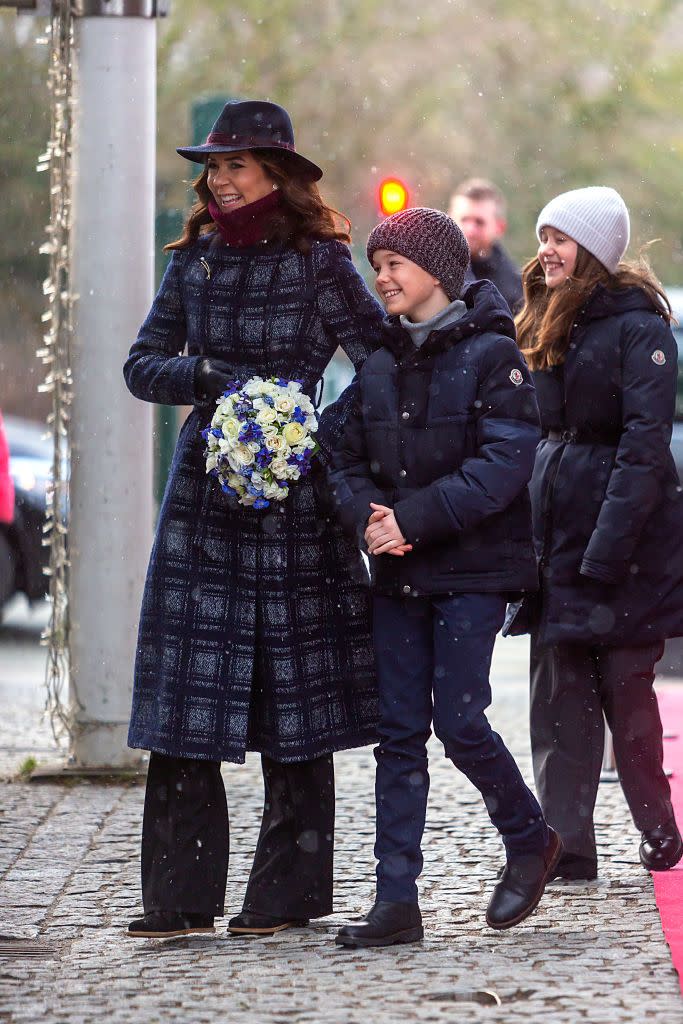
pixel 608 523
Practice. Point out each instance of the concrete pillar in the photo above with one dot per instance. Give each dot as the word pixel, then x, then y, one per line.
pixel 111 477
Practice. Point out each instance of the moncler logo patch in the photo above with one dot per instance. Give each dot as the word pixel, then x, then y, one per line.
pixel 516 377
pixel 658 357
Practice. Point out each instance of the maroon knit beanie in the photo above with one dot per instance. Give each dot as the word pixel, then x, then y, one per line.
pixel 429 238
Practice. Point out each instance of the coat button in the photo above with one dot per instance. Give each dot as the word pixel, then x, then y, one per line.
pixel 405 415
pixel 402 473
pixel 406 589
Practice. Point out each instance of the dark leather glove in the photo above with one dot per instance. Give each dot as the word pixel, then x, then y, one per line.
pixel 211 378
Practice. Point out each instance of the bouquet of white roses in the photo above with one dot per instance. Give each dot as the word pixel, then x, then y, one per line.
pixel 260 439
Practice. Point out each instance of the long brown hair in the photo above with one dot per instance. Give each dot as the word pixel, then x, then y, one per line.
pixel 544 324
pixel 303 214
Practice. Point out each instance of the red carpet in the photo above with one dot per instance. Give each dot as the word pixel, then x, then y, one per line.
pixel 669 884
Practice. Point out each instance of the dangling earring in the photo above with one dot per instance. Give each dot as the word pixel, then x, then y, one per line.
pixel 275 187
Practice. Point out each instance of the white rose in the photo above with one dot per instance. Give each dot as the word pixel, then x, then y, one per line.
pixel 280 468
pixel 270 431
pixel 276 443
pixel 293 433
pixel 273 492
pixel 266 416
pixel 240 456
pixel 231 427
pixel 285 405
pixel 211 462
pixel 254 387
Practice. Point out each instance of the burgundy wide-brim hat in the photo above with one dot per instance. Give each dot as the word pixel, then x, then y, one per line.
pixel 253 124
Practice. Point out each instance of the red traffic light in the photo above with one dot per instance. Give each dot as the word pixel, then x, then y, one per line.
pixel 393 196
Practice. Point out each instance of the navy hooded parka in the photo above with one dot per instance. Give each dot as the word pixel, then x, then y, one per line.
pixel 445 435
pixel 606 500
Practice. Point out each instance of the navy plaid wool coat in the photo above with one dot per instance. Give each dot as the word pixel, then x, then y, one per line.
pixel 255 624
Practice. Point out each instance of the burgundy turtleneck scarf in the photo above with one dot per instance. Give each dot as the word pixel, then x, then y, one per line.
pixel 247 225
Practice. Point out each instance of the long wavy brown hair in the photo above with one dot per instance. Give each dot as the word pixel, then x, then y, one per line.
pixel 544 324
pixel 303 214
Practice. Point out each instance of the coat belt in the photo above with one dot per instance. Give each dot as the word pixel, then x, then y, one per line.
pixel 572 435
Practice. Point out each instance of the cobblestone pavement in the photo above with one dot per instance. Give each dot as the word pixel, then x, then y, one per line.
pixel 69 880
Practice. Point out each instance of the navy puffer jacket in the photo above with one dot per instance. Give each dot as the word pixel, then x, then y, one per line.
pixel 445 435
pixel 606 499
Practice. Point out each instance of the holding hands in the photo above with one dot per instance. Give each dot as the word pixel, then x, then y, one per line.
pixel 382 534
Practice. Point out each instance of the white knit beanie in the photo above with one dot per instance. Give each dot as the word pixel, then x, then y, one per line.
pixel 595 217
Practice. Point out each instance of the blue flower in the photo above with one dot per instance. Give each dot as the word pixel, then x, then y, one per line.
pixel 216 432
pixel 261 503
pixel 298 416
pixel 226 489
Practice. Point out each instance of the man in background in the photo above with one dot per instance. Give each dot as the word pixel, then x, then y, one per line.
pixel 478 207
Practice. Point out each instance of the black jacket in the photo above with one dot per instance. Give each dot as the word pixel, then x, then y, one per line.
pixel 445 435
pixel 607 503
pixel 499 268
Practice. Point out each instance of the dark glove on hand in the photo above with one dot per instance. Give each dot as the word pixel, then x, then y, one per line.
pixel 211 378
pixel 321 488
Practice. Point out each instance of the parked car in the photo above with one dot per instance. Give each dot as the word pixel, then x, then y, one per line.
pixel 21 549
pixel 6 514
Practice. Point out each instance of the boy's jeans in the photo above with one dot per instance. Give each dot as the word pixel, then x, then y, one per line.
pixel 441 646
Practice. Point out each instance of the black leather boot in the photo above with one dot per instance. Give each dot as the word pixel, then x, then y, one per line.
pixel 386 924
pixel 571 868
pixel 251 923
pixel 661 848
pixel 576 868
pixel 165 924
pixel 522 884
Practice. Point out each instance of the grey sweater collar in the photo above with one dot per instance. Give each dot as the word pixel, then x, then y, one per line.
pixel 444 318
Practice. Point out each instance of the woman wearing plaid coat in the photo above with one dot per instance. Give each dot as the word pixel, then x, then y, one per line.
pixel 254 631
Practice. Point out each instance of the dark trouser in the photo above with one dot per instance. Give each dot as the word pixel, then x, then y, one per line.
pixel 571 686
pixel 440 646
pixel 185 839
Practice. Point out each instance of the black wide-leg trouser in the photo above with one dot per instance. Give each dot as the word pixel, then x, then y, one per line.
pixel 571 686
pixel 185 839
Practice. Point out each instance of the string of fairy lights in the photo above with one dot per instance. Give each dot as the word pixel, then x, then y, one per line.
pixel 55 353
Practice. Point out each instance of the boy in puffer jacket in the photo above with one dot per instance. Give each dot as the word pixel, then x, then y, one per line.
pixel 431 476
